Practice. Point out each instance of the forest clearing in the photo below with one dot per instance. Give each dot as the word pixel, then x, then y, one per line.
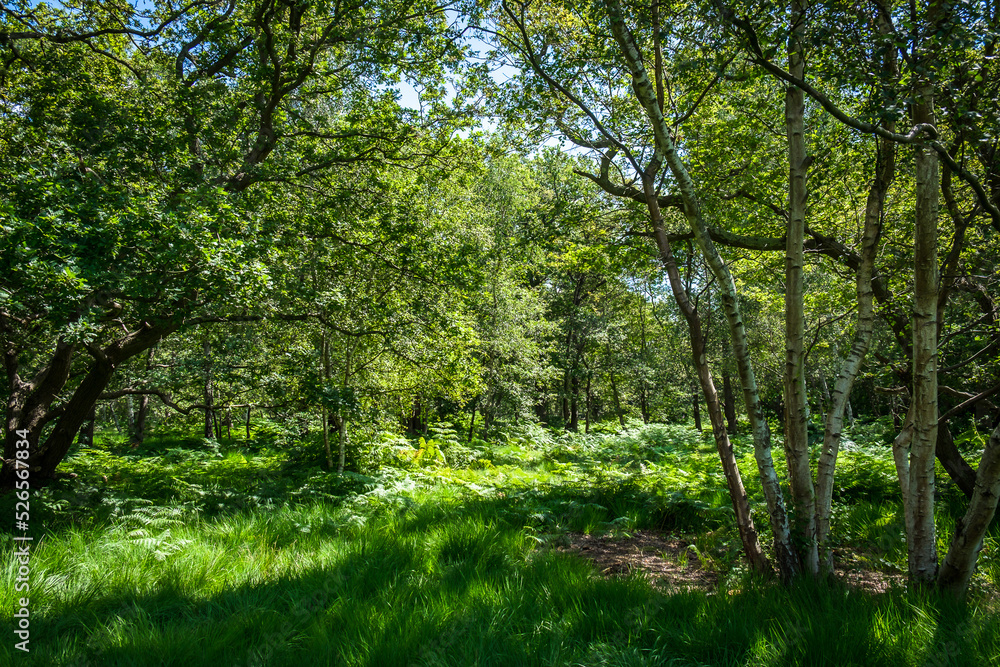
pixel 500 332
pixel 252 555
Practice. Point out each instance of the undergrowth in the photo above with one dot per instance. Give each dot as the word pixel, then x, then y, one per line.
pixel 201 553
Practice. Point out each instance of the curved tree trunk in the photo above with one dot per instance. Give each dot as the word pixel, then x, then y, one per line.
pixel 29 402
pixel 851 366
pixel 734 480
pixel 788 563
pixel 971 528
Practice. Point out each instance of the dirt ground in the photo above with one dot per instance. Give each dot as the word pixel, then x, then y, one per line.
pixel 673 564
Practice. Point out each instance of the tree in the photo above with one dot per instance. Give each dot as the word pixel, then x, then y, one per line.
pixel 137 147
pixel 924 35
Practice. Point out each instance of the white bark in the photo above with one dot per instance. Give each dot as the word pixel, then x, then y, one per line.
pixel 840 399
pixel 646 95
pixel 734 480
pixel 923 545
pixel 901 457
pixel 971 528
pixel 796 406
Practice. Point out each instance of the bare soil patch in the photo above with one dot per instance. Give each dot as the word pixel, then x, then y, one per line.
pixel 669 563
pixel 854 569
pixel 674 565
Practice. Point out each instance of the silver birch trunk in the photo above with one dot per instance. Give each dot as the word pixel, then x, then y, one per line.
pixel 788 564
pixel 971 528
pixel 851 366
pixel 840 401
pixel 796 432
pixel 901 457
pixel 730 468
pixel 923 547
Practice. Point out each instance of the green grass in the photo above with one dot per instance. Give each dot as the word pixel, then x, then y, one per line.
pixel 228 557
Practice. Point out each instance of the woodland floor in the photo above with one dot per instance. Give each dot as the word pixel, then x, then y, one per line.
pixel 672 564
pixel 543 549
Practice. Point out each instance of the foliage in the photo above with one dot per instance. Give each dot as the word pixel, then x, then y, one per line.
pixel 434 564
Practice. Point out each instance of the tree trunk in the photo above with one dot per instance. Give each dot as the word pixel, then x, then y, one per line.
pixel 28 402
pixel 730 402
pixel 643 399
pixel 342 440
pixel 324 353
pixel 851 366
pixel 901 459
pixel 207 390
pixel 696 409
pixel 567 379
pixel 86 438
pixel 574 407
pixel 796 432
pixel 971 528
pixel 788 564
pixel 923 551
pixel 956 466
pixel 417 424
pixel 734 480
pixel 472 421
pixel 114 417
pixel 824 388
pixel 643 402
pixel 342 445
pixel 139 422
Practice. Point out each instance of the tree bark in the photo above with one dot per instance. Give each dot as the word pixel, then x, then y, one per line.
pixel 901 459
pixel 796 432
pixel 139 425
pixel 923 548
pixel 696 408
pixel 208 393
pixel 954 464
pixel 729 402
pixel 967 542
pixel 734 481
pixel 472 421
pixel 574 404
pixel 788 564
pixel 29 402
pixel 86 437
pixel 885 170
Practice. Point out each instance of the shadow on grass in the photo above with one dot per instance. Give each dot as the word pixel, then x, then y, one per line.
pixel 461 584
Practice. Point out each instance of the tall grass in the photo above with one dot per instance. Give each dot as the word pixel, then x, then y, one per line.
pixel 440 566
